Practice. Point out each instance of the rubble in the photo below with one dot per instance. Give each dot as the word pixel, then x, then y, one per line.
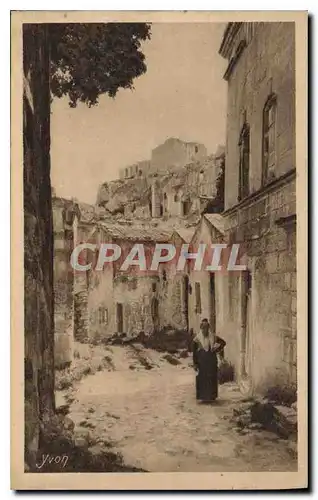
pixel 285 395
pixel 167 340
pixel 171 359
pixel 257 415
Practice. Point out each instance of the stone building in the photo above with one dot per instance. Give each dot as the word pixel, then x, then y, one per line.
pixel 139 169
pixel 205 287
pixel 187 191
pixel 124 301
pixel 175 153
pixel 258 315
pixel 179 182
pixel 64 213
pixel 174 285
pixel 83 226
pixel 73 222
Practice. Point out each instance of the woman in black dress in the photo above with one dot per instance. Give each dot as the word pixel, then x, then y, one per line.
pixel 206 345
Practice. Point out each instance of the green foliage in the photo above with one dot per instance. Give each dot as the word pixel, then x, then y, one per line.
pixel 90 59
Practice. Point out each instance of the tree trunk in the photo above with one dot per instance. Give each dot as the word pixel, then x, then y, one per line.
pixel 38 238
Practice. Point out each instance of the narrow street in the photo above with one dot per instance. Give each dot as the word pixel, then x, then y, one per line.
pixel 144 407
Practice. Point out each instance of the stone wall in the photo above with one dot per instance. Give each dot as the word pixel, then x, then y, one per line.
pixel 38 237
pixel 203 302
pixel 172 298
pixel 81 316
pixel 101 308
pixel 173 290
pixel 266 65
pixel 82 233
pixel 125 197
pixel 186 191
pixel 258 313
pixel 139 169
pixel 266 228
pixel 63 216
pixel 137 296
pixel 134 291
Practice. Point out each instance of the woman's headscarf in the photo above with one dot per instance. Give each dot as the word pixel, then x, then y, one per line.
pixel 207 341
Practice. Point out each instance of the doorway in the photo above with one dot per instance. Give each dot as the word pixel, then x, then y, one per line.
pixel 212 303
pixel 185 208
pixel 186 300
pixel 120 317
pixel 155 313
pixel 246 304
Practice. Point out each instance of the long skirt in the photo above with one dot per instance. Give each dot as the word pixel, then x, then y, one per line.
pixel 207 377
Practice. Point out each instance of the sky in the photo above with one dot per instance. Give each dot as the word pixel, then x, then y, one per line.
pixel 181 95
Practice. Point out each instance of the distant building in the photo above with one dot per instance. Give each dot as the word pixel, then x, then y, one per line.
pixel 124 301
pixel 139 169
pixel 259 307
pixel 186 191
pixel 174 285
pixel 182 189
pixel 206 288
pixel 175 153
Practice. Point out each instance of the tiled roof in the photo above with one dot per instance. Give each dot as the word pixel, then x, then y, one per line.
pixel 135 232
pixel 186 233
pixel 216 220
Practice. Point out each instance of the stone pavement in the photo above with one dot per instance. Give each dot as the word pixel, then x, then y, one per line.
pixel 152 418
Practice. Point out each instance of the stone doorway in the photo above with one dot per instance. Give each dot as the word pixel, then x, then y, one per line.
pixel 120 318
pixel 212 303
pixel 186 300
pixel 246 332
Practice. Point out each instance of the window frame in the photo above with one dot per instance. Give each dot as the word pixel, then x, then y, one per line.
pixel 102 316
pixel 268 171
pixel 244 172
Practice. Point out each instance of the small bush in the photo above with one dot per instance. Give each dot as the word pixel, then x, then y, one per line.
pixel 225 372
pixel 282 395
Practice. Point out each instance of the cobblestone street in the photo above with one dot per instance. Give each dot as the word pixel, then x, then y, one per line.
pixel 152 418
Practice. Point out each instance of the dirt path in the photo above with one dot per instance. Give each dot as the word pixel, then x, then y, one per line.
pixel 152 418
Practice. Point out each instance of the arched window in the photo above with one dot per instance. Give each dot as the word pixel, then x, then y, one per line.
pixel 269 139
pixel 244 167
